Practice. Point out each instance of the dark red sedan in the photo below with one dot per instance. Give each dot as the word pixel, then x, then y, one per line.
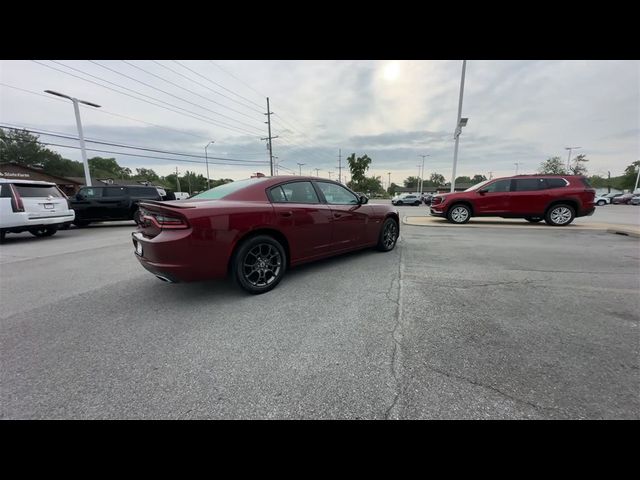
pixel 257 228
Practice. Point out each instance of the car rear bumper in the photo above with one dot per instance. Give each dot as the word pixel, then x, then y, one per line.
pixel 175 256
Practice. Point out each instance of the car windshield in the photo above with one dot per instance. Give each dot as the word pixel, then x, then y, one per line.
pixel 477 186
pixel 222 191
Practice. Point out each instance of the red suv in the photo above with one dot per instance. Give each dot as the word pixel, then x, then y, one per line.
pixel 557 199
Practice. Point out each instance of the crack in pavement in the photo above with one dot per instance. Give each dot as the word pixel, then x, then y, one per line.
pixel 396 337
pixel 488 387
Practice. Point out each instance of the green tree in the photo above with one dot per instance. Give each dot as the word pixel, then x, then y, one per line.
pixel 578 167
pixel 412 182
pixel 464 180
pixel 22 147
pixel 436 180
pixel 478 179
pixel 358 167
pixel 628 180
pixel 146 174
pixel 99 166
pixel 553 166
pixel 392 189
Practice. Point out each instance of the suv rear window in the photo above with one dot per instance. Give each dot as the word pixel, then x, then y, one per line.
pixel 528 184
pixel 41 191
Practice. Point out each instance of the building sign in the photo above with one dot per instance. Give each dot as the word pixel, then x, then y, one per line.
pixel 14 174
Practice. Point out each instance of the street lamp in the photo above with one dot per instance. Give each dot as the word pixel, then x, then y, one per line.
pixel 207 160
pixel 87 176
pixel 300 167
pixel 569 158
pixel 422 175
pixel 462 122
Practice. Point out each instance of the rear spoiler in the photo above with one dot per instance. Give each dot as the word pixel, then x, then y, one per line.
pixel 155 203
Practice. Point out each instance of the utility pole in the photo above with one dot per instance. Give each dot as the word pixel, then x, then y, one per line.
pixel 300 166
pixel 268 122
pixel 207 160
pixel 609 182
pixel 422 175
pixel 517 164
pixel 637 178
pixel 188 181
pixel 178 179
pixel 340 165
pixel 317 172
pixel 330 175
pixel 490 175
pixel 389 174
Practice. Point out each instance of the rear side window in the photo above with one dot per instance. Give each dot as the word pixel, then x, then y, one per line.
pixel 142 192
pixel 295 192
pixel 528 184
pixel 585 181
pixel 5 191
pixel 91 192
pixel 115 192
pixel 42 191
pixel 555 182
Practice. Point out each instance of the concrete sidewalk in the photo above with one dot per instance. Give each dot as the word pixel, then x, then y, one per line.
pixel 428 221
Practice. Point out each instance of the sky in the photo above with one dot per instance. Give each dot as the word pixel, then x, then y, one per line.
pixel 392 110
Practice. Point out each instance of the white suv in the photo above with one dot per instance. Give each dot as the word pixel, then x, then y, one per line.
pixel 37 207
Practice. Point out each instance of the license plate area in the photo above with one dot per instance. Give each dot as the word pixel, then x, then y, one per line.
pixel 48 206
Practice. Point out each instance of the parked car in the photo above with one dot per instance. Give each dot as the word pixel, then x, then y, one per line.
pixel 407 199
pixel 113 202
pixel 39 208
pixel 601 200
pixel 623 199
pixel 635 200
pixel 181 195
pixel 255 229
pixel 611 196
pixel 426 198
pixel 557 199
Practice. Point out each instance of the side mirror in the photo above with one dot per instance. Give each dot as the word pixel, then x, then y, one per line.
pixel 482 191
pixel 363 200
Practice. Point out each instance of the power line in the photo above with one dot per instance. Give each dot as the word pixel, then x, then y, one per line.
pixel 204 86
pixel 144 156
pixel 217 84
pixel 133 147
pixel 209 120
pixel 170 94
pixel 102 110
pixel 187 90
pixel 244 83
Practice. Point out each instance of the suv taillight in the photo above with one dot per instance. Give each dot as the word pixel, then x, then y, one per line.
pixel 16 200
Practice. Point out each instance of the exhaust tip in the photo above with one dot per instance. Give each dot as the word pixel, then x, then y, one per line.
pixel 164 279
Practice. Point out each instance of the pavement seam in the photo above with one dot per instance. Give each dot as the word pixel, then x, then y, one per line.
pixel 396 337
pixel 489 387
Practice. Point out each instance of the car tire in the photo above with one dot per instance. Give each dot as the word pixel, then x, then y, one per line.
pixel 601 203
pixel 273 264
pixel 43 231
pixel 388 235
pixel 533 219
pixel 80 223
pixel 2 236
pixel 560 215
pixel 459 214
pixel 416 204
pixel 399 203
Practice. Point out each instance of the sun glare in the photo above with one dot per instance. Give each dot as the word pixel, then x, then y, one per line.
pixel 392 71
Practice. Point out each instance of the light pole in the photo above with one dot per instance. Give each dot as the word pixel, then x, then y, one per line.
pixel 569 157
pixel 517 164
pixel 206 158
pixel 300 167
pixel 422 176
pixel 459 124
pixel 329 174
pixel 389 174
pixel 87 176
pixel 637 178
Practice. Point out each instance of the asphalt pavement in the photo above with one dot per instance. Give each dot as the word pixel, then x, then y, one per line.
pixel 453 323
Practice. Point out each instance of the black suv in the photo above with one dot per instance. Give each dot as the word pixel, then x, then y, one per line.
pixel 114 202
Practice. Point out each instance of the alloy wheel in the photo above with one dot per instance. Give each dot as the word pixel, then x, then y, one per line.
pixel 459 214
pixel 560 215
pixel 262 265
pixel 389 235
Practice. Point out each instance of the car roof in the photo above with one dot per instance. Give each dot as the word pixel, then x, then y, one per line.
pixel 36 182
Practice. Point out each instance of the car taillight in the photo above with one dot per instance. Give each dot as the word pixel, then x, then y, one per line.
pixel 162 220
pixel 16 200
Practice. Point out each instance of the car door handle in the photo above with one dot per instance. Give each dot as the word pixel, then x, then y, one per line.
pixel 286 214
pixel 337 215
